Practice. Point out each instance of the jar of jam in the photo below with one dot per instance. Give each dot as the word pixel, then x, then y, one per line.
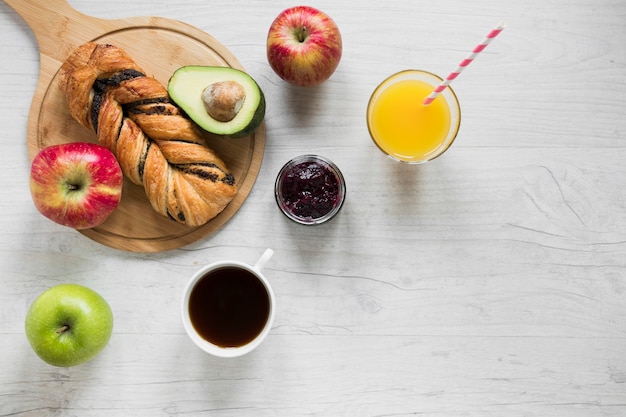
pixel 310 189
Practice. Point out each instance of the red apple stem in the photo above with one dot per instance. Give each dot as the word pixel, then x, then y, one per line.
pixel 63 329
pixel 302 34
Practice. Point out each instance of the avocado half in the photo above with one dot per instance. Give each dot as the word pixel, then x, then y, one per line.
pixel 188 84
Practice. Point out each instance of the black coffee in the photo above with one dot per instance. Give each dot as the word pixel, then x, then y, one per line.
pixel 229 307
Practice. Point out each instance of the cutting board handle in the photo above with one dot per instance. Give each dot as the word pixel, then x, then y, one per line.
pixel 58 27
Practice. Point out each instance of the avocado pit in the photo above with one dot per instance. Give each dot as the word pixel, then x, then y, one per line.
pixel 223 100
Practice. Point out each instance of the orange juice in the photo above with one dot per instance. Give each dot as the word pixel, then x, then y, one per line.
pixel 403 127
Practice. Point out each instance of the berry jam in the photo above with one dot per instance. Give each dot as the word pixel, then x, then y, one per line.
pixel 310 189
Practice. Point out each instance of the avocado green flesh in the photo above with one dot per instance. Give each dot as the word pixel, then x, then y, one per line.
pixel 186 85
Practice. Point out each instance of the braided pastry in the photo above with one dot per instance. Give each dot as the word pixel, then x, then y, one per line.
pixel 155 143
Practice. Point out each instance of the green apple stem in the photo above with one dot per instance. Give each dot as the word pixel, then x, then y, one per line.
pixel 63 329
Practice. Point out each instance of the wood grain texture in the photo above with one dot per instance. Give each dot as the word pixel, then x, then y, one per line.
pixel 160 46
pixel 491 282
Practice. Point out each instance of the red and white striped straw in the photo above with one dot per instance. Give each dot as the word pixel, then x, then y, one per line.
pixel 478 49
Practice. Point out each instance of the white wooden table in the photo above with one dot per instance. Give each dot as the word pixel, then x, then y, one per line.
pixel 490 282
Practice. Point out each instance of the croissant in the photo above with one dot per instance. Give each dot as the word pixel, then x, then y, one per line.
pixel 156 144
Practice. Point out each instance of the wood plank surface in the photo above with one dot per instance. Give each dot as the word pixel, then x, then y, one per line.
pixel 491 282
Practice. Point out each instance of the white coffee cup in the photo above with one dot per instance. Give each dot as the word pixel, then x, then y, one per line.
pixel 224 311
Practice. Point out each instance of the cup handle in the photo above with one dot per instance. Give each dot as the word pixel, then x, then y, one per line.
pixel 263 259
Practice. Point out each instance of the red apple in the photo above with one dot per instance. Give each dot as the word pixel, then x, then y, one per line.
pixel 76 184
pixel 304 46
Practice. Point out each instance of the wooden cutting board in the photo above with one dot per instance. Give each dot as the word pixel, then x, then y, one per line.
pixel 159 46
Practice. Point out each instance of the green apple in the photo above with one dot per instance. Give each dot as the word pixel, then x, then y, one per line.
pixel 68 324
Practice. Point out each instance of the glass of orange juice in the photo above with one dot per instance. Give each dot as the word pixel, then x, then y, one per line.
pixel 403 127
